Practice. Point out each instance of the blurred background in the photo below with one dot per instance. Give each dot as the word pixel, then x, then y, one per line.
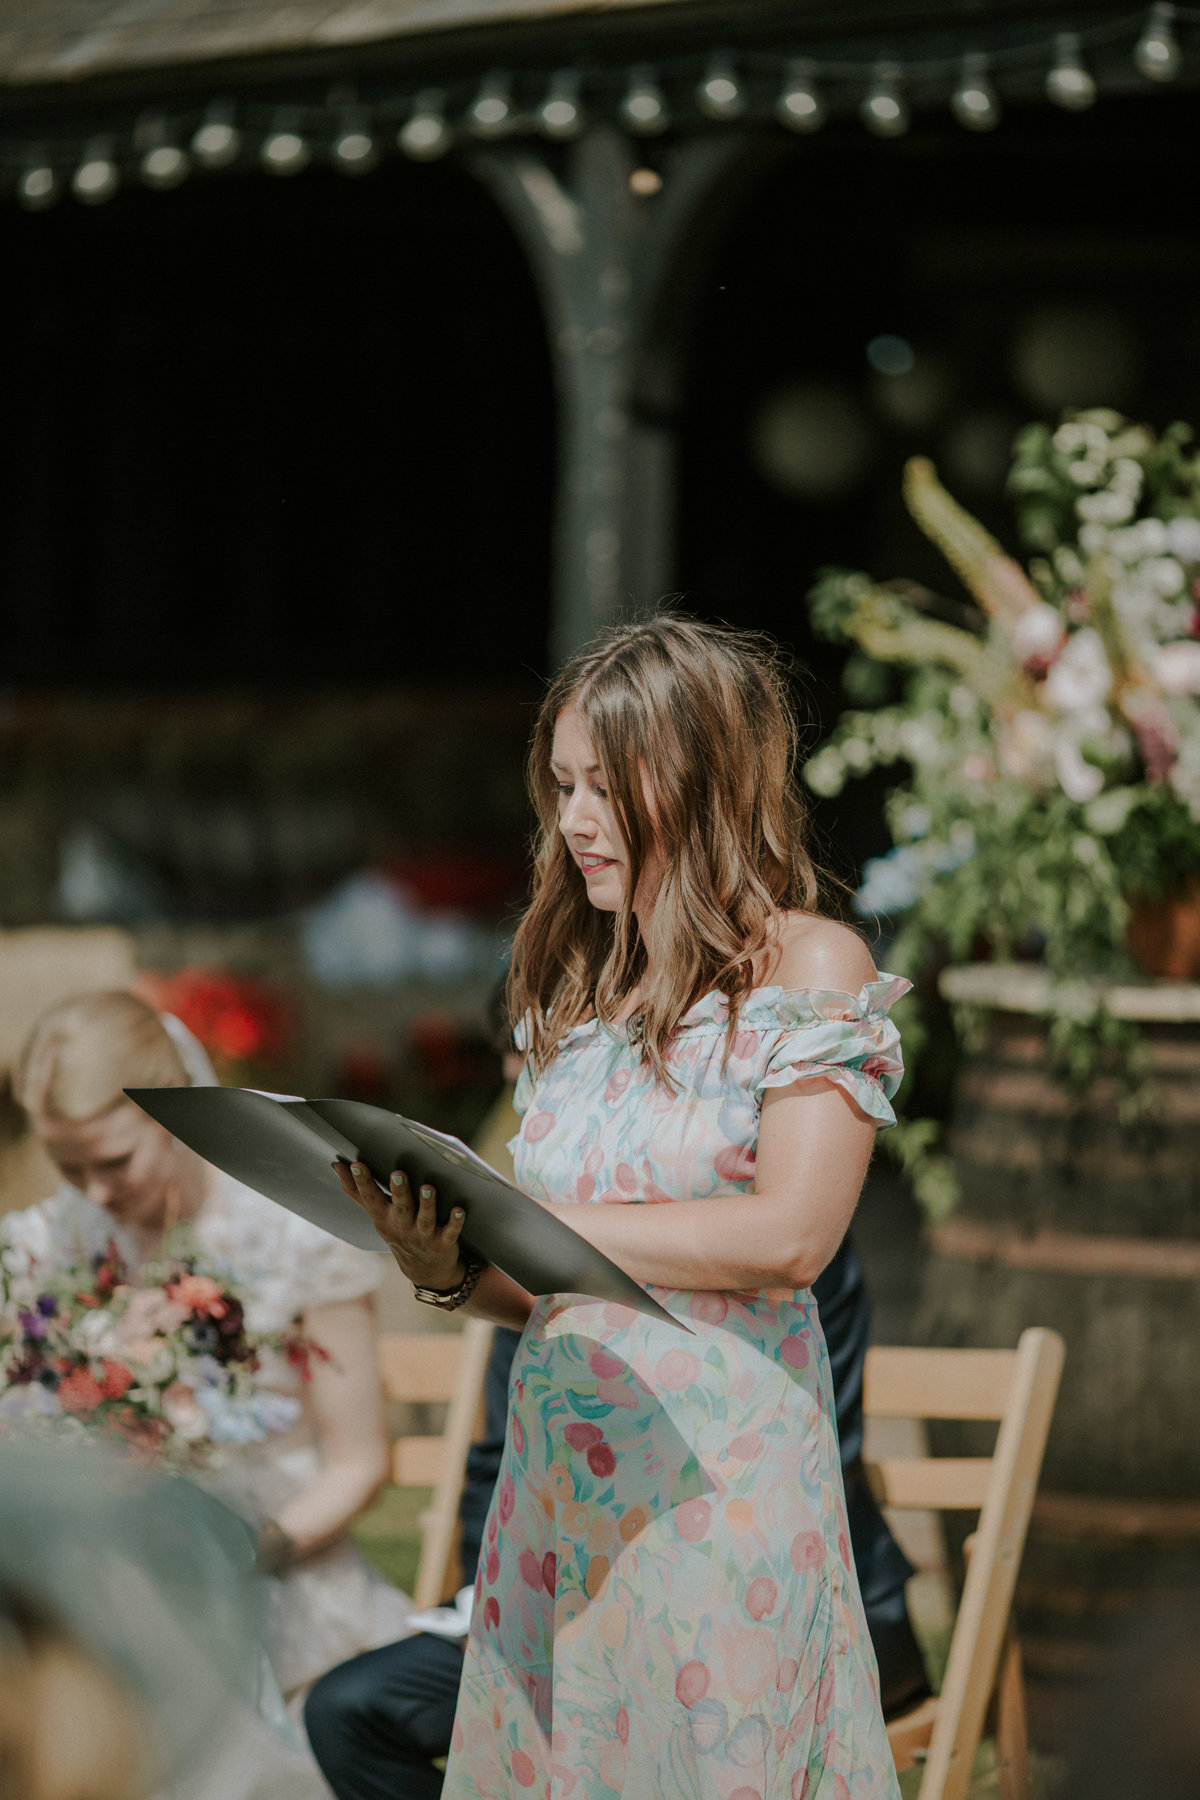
pixel 360 360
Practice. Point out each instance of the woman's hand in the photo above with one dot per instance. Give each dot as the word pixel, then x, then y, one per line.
pixel 426 1252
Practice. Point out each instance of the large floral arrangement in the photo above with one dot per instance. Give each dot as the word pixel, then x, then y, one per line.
pixel 167 1365
pixel 1050 724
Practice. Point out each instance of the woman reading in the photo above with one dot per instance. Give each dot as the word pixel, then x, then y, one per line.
pixel 666 1601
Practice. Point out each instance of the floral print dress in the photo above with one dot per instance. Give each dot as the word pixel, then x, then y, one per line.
pixel 666 1606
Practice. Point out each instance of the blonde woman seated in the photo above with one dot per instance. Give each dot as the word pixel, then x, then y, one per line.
pixel 126 1179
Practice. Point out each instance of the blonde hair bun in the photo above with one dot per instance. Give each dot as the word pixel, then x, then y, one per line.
pixel 83 1052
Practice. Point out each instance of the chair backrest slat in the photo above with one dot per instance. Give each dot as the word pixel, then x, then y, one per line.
pixel 909 1383
pixel 948 1483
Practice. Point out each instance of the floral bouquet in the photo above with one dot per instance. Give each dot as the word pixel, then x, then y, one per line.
pixel 167 1366
pixel 1050 724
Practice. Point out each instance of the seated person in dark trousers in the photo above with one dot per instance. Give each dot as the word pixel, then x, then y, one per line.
pixel 377 1723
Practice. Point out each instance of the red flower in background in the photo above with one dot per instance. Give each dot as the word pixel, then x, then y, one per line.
pixel 236 1017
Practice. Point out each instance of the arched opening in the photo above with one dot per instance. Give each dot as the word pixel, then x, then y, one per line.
pixel 273 432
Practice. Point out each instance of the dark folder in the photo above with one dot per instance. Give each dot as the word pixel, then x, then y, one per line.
pixel 285 1149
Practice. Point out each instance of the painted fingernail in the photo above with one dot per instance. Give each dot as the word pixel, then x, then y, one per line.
pixel 427 1193
pixel 359 1168
pixel 458 1212
pixel 397 1179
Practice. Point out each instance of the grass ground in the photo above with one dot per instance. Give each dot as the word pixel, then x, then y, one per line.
pixel 388 1535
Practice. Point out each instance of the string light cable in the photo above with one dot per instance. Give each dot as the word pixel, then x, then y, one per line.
pixel 796 90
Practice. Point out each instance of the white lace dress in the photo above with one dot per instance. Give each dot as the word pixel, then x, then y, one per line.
pixel 333 1605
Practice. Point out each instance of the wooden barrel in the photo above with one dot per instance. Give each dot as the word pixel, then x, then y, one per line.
pixel 1070 1219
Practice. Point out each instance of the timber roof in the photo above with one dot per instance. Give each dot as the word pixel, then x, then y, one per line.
pixel 60 43
pixel 63 40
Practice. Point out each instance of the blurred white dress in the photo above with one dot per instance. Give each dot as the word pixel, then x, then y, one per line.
pixel 333 1605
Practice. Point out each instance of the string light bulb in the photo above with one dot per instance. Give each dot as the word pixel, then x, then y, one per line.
pixel 800 106
pixel 1069 83
pixel 38 185
pixel 425 134
pixel 885 109
pixel 354 150
pixel 163 163
pixel 643 110
pixel 560 115
pixel 218 141
pixel 1157 54
pixel 720 94
pixel 285 150
pixel 97 178
pixel 974 102
pixel 491 112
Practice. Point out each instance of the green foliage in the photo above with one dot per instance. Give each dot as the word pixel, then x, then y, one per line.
pixel 913 1143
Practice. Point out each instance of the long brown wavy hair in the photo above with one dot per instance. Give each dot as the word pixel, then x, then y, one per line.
pixel 701 715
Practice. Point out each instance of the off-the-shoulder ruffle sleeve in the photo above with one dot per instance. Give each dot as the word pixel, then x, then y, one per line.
pixel 524 1088
pixel 827 1036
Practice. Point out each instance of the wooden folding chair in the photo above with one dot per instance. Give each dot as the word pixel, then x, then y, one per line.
pixel 1018 1388
pixel 439 1366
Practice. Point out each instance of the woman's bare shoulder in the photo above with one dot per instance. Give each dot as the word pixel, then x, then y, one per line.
pixel 812 952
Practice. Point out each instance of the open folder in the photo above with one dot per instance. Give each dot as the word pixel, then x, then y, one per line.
pixel 285 1149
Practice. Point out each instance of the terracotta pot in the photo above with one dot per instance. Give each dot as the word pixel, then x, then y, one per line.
pixel 1164 935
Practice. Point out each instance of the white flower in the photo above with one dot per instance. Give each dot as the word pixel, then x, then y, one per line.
pixel 183 1412
pixel 1069 438
pixel 918 740
pixel 1078 779
pixel 1037 634
pixel 1108 812
pixel 856 754
pixel 963 703
pixel 1126 545
pixel 1081 677
pixel 1127 476
pixel 1093 540
pixel 97 1334
pixel 1105 508
pixel 825 773
pixel 1165 576
pixel 152 1359
pixel 1183 539
pixel 1177 668
pixel 1152 537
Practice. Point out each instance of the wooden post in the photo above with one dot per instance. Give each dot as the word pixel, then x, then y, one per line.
pixel 617 276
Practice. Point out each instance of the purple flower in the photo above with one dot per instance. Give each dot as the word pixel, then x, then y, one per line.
pixel 47 1305
pixel 32 1324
